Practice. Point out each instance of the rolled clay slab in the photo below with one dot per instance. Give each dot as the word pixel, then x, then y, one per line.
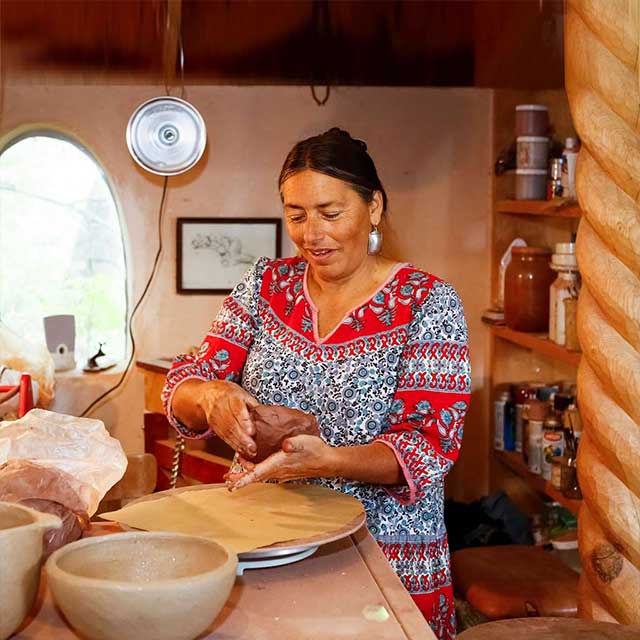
pixel 275 423
pixel 255 516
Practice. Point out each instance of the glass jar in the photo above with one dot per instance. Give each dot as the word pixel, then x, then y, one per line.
pixel 526 294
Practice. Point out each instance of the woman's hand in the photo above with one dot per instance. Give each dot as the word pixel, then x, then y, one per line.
pixel 226 409
pixel 301 457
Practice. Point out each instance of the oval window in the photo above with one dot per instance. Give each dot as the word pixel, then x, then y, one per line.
pixel 61 244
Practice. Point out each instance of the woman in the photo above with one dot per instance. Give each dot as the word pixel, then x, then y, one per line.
pixel 375 349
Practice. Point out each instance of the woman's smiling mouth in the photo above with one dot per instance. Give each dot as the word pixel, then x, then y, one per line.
pixel 320 253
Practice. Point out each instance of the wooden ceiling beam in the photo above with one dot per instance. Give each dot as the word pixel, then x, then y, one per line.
pixel 171 42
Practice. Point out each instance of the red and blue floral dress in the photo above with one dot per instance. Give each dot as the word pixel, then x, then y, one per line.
pixel 395 371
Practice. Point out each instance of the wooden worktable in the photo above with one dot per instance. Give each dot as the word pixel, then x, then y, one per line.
pixel 329 596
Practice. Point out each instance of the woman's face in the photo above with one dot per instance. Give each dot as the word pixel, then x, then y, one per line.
pixel 329 222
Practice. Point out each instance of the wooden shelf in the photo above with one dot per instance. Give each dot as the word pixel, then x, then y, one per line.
pixel 513 461
pixel 548 208
pixel 538 343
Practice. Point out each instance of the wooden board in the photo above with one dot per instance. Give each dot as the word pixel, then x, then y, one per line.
pixel 539 343
pixel 513 461
pixel 313 599
pixel 549 208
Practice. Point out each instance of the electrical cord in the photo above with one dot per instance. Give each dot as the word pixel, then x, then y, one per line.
pixel 137 305
pixel 155 262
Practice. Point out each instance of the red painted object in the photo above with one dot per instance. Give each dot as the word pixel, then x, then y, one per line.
pixel 25 398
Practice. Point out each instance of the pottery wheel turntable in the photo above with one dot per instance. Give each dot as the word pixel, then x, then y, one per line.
pixel 268 525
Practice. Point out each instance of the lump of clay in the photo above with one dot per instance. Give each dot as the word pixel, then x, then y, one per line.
pixel 49 490
pixel 274 423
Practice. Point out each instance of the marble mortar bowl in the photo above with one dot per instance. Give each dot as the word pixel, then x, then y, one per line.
pixel 21 532
pixel 127 586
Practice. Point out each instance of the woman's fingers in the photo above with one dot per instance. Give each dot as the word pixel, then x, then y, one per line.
pixel 249 399
pixel 233 476
pixel 263 471
pixel 241 481
pixel 244 427
pixel 292 445
pixel 241 414
pixel 246 464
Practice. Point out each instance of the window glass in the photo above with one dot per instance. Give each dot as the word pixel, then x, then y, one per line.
pixel 61 245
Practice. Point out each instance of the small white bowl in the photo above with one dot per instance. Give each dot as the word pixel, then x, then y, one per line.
pixel 127 586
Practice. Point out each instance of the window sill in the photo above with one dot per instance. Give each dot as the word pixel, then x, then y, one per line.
pixel 78 373
pixel 76 389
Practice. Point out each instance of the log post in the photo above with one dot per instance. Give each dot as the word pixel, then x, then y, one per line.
pixel 602 80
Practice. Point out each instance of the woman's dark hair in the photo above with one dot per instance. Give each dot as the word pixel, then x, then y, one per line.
pixel 335 153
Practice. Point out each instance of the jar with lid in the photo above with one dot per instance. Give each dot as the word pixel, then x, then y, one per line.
pixel 526 296
pixel 566 285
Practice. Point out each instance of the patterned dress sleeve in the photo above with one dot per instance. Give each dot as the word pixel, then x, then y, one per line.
pixel 223 351
pixel 424 424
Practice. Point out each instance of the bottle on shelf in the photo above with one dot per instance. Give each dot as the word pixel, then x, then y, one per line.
pixel 537 413
pixel 570 156
pixel 566 285
pixel 552 443
pixel 504 438
pixel 555 187
pixel 522 394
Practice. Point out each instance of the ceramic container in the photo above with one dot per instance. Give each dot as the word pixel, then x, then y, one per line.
pixel 532 152
pixel 21 532
pixel 531 184
pixel 532 120
pixel 127 586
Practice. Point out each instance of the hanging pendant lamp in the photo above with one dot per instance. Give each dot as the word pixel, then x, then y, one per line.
pixel 166 135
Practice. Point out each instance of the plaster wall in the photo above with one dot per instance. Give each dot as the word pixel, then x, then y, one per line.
pixel 432 148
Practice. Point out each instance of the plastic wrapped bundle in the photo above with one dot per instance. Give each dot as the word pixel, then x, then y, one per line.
pixel 49 490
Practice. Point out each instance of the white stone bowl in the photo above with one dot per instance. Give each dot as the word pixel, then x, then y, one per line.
pixel 127 586
pixel 21 532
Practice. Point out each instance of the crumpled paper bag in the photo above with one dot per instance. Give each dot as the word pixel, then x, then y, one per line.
pixel 80 447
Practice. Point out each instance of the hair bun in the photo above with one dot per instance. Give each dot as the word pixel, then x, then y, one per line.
pixel 341 134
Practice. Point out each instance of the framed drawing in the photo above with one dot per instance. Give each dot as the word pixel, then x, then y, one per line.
pixel 214 253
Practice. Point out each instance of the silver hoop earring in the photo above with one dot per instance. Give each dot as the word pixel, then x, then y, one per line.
pixel 374 241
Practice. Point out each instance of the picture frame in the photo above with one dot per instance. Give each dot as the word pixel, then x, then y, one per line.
pixel 213 254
